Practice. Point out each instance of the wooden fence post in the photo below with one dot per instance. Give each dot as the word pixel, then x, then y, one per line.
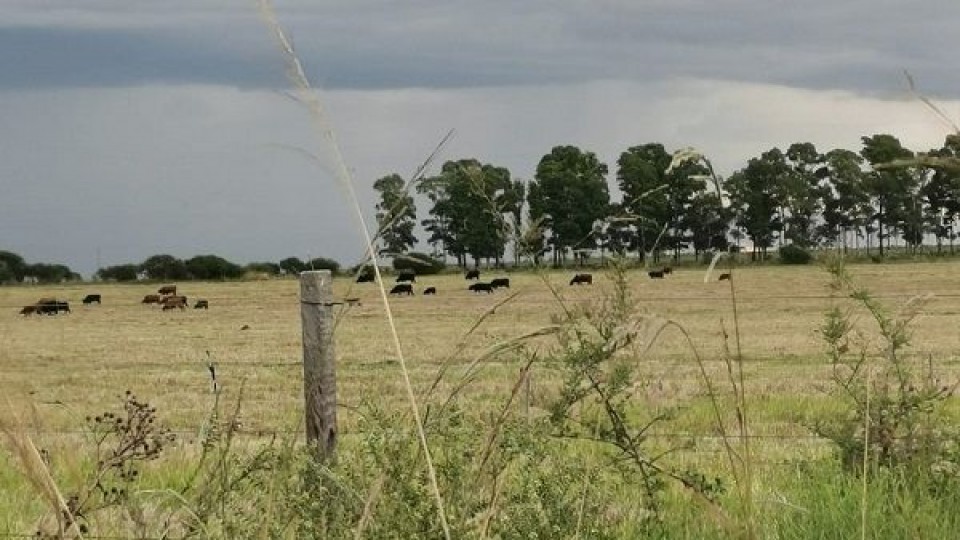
pixel 319 361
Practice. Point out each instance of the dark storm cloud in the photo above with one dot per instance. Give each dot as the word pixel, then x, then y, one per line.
pixel 854 45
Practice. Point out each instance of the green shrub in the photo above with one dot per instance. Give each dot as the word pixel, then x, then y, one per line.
pixel 421 263
pixel 794 254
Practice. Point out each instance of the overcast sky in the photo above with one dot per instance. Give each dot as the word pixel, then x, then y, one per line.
pixel 135 127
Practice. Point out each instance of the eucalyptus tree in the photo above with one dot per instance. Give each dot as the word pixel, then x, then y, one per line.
pixel 889 188
pixel 568 195
pixel 844 197
pixel 753 193
pixel 657 195
pixel 396 215
pixel 801 194
pixel 470 201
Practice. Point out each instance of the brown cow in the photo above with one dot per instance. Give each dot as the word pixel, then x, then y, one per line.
pixel 171 302
pixel 151 299
pixel 28 310
pixel 167 289
pixel 723 277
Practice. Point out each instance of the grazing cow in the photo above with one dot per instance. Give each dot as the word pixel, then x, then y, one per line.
pixel 430 290
pixel 407 276
pixel 724 277
pixel 582 279
pixel 167 289
pixel 473 274
pixel 667 270
pixel 402 288
pixel 49 306
pixel 481 287
pixel 500 282
pixel 151 299
pixel 201 304
pixel 28 310
pixel 655 274
pixel 91 298
pixel 174 301
pixel 366 276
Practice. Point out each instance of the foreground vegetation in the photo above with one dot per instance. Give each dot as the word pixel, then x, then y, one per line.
pixel 630 425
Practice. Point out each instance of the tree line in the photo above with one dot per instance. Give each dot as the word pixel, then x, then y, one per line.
pixel 13 268
pixel 674 202
pixel 163 267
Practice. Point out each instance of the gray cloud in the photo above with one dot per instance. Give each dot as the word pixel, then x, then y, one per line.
pixel 857 45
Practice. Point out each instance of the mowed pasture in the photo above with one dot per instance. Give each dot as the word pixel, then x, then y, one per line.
pixel 56 370
pixel 68 366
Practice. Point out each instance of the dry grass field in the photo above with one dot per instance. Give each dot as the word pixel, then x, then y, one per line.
pixel 69 366
pixel 56 370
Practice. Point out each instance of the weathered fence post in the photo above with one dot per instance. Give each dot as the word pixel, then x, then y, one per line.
pixel 319 361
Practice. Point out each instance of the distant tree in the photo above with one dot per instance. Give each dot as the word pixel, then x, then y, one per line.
pixel 942 192
pixel 657 195
pixel 212 267
pixel 801 194
pixel 51 273
pixel 164 267
pixel 12 267
pixel 322 263
pixel 396 215
pixel 420 263
pixel 569 193
pixel 293 265
pixel 270 268
pixel 888 189
pixel 843 196
pixel 753 194
pixel 120 272
pixel 471 205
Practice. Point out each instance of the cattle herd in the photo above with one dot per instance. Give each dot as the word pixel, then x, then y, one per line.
pixel 166 297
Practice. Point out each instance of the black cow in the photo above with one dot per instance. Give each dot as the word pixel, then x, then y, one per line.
pixel 201 304
pixel 91 298
pixel 667 270
pixel 402 288
pixel 473 274
pixel 430 290
pixel 366 278
pixel 500 282
pixel 481 287
pixel 407 276
pixel 28 310
pixel 582 279
pixel 723 277
pixel 52 307
pixel 655 274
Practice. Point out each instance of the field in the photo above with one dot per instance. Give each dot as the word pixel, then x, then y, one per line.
pixel 57 370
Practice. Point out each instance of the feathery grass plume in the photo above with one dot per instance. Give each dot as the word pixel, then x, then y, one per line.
pixel 311 100
pixel 35 470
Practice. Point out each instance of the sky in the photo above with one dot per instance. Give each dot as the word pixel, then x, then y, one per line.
pixel 135 127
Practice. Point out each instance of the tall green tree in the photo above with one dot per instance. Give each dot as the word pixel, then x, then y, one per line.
pixel 471 204
pixel 569 194
pixel 658 196
pixel 801 194
pixel 753 193
pixel 941 192
pixel 164 267
pixel 844 197
pixel 396 215
pixel 889 189
pixel 12 267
